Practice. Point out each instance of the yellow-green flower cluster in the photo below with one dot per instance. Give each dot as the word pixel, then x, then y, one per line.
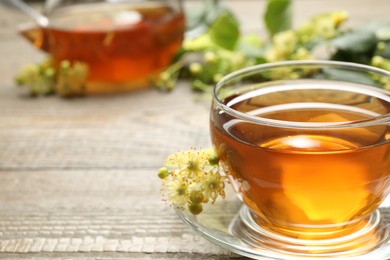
pixel 296 44
pixel 214 64
pixel 300 43
pixel 283 45
pixel 71 78
pixel 381 62
pixel 192 178
pixel 39 78
pixel 323 25
pixel 65 79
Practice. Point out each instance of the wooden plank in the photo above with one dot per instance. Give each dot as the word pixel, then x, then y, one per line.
pixel 91 211
pixel 120 255
pixel 78 177
pixel 109 132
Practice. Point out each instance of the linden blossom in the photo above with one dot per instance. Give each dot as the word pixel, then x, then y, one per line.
pixel 193 178
pixel 228 52
pixel 66 79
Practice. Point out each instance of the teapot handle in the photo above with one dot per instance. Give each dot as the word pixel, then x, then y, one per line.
pixel 199 19
pixel 29 11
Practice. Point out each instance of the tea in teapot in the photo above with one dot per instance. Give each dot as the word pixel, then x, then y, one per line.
pixel 124 43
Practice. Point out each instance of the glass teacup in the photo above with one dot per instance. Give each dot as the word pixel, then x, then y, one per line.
pixel 305 145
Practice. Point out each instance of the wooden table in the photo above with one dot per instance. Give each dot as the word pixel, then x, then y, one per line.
pixel 78 176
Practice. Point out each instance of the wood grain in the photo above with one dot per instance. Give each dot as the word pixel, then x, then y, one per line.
pixel 78 176
pixel 91 211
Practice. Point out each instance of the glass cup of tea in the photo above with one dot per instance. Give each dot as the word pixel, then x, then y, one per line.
pixel 306 147
pixel 125 43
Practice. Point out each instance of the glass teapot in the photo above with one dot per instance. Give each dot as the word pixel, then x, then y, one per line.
pixel 125 43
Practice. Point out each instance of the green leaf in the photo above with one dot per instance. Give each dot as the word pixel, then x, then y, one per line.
pixel 251 45
pixel 358 45
pixel 225 31
pixel 360 40
pixel 364 58
pixel 278 16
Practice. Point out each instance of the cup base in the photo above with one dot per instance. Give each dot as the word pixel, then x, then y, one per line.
pixel 373 235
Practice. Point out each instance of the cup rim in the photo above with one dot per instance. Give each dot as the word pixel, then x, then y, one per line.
pixel 375 120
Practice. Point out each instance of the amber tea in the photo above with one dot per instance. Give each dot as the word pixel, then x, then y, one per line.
pixel 124 44
pixel 303 155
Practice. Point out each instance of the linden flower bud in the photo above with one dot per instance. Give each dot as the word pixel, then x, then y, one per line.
pixel 163 172
pixel 169 85
pixel 65 64
pixel 28 72
pixel 302 54
pixel 326 28
pixel 210 57
pixel 381 46
pixel 305 29
pixel 213 159
pixel 196 197
pixel 195 68
pixel 49 72
pixel 165 76
pixel 272 55
pixel 217 77
pixel 339 17
pixel 285 41
pixel 238 60
pixel 377 61
pixel 195 208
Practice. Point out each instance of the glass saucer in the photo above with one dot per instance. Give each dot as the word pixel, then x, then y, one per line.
pixel 217 221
